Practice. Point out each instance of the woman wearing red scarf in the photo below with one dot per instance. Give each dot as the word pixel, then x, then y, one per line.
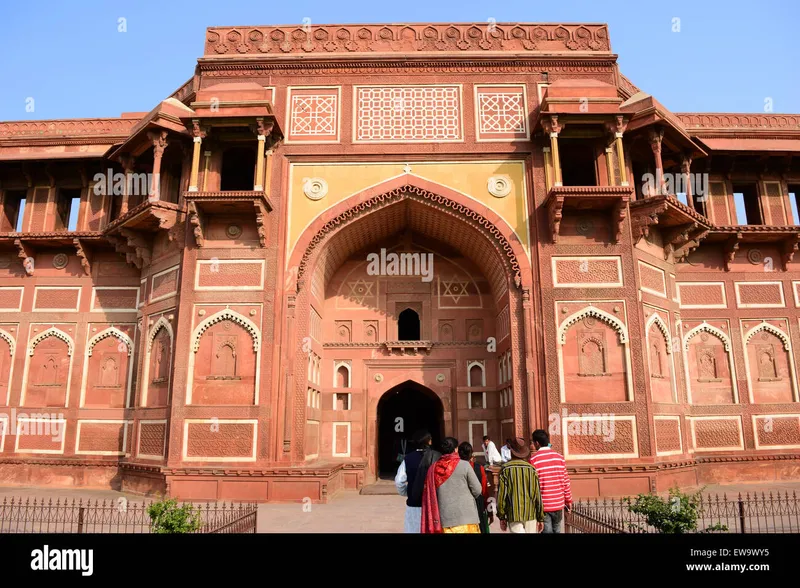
pixel 448 501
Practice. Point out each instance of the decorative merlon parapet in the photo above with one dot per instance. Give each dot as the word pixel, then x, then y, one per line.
pixel 486 37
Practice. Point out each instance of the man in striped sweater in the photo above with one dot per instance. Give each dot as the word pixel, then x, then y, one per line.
pixel 519 502
pixel 553 481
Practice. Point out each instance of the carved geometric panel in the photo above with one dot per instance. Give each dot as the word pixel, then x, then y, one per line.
pixel 230 274
pixel 40 435
pixel 313 115
pixel 219 439
pixel 501 112
pixel 668 435
pixel 777 431
pixel 152 439
pixel 702 294
pixel 164 284
pixel 716 433
pixel 11 298
pixel 408 113
pixel 587 272
pixel 602 436
pixel 115 298
pixel 95 437
pixel 652 279
pixel 56 298
pixel 759 295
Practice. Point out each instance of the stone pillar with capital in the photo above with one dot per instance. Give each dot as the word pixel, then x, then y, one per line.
pixel 199 135
pixel 553 128
pixel 686 172
pixel 655 137
pixel 128 163
pixel 263 132
pixel 159 139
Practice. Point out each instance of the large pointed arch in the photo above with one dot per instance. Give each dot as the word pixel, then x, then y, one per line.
pixel 597 313
pixel 495 230
pixel 442 214
pixel 110 332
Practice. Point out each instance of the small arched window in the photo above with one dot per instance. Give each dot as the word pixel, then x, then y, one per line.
pixel 408 327
pixel 342 377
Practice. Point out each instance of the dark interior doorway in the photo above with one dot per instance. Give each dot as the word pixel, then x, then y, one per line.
pixel 238 169
pixel 408 325
pixel 401 411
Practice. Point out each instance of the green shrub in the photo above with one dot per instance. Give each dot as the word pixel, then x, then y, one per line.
pixel 167 517
pixel 678 513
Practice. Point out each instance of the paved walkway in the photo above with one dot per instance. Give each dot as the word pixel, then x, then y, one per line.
pixel 349 512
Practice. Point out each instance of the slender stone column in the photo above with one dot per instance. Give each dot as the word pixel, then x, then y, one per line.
pixel 199 135
pixel 159 140
pixel 128 163
pixel 655 137
pixel 552 128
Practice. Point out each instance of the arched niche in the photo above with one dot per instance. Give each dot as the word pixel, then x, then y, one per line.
pixel 709 367
pixel 48 369
pixel 107 370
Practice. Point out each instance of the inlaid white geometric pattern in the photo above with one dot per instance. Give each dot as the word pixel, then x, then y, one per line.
pixel 501 113
pixel 313 115
pixel 408 113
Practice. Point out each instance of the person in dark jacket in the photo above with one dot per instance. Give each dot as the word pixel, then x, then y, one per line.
pixel 410 478
pixel 465 453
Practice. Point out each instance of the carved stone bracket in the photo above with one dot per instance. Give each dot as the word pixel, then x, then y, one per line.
pixel 261 215
pixel 693 243
pixel 731 247
pixel 641 223
pixel 551 125
pixel 196 223
pixel 676 237
pixel 554 215
pixel 26 254
pixel 80 250
pixel 618 215
pixel 121 247
pixel 788 250
pixel 139 243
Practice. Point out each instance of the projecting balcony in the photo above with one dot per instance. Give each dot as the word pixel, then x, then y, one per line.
pixel 611 199
pixel 409 347
pixel 682 227
pixel 238 202
pixel 786 238
pixel 149 216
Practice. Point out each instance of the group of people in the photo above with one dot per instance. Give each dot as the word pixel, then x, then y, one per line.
pixel 447 491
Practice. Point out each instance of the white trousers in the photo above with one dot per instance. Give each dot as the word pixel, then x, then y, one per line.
pixel 413 520
pixel 526 527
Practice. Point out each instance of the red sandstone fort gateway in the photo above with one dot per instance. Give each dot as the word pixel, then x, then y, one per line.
pixel 188 306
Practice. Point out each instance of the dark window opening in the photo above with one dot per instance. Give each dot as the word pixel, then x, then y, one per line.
pixel 699 202
pixel 238 169
pixel 68 205
pixel 476 399
pixel 639 172
pixel 577 160
pixel 748 209
pixel 14 210
pixel 408 325
pixel 794 194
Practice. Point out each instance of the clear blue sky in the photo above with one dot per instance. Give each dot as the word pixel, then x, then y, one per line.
pixel 729 56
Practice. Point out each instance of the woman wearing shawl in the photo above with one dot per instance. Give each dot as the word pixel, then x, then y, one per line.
pixel 465 453
pixel 448 501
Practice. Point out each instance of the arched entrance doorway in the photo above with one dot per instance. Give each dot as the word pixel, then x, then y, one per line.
pixel 403 410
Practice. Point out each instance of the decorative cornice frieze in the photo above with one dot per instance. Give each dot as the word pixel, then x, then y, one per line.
pixel 405 38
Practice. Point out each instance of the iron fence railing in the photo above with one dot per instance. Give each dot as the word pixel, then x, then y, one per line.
pixel 772 512
pixel 40 515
